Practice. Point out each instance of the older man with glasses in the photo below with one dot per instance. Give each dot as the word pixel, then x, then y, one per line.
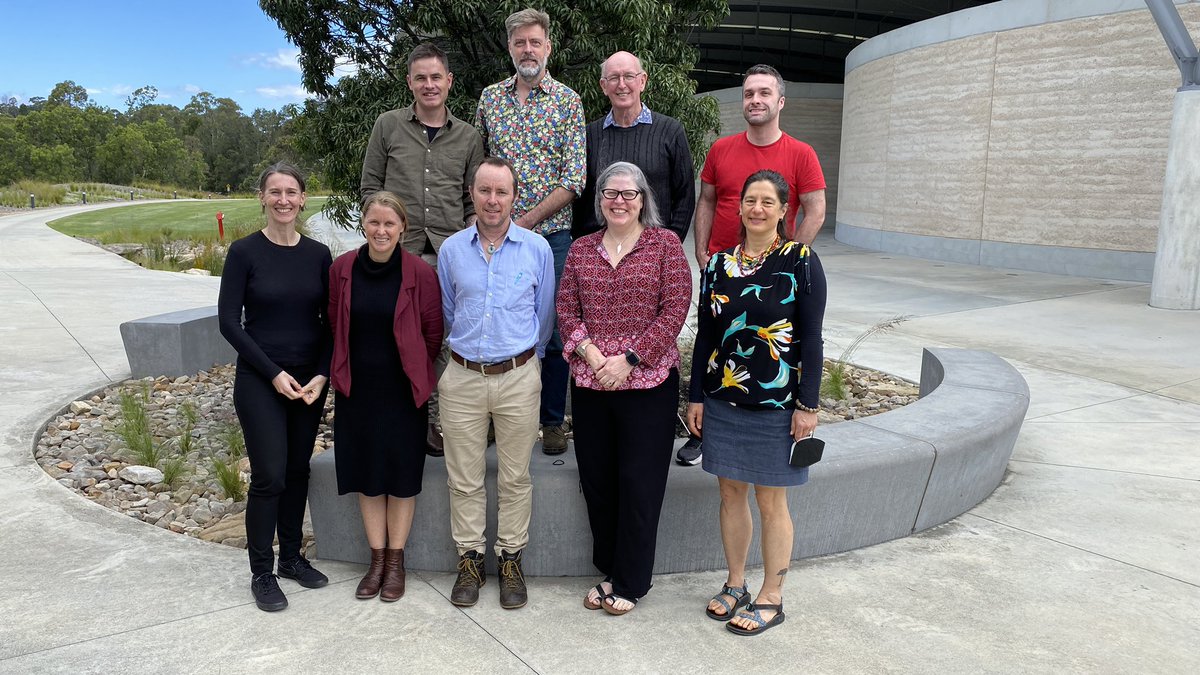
pixel 656 144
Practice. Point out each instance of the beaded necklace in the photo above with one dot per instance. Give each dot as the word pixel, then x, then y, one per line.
pixel 749 264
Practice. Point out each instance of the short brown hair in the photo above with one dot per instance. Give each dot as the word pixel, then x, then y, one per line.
pixel 497 161
pixel 428 50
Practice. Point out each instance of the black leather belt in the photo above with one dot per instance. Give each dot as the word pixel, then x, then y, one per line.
pixel 494 368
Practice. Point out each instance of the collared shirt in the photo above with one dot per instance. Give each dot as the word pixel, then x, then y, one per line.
pixel 640 304
pixel 543 139
pixel 644 117
pixel 498 309
pixel 430 177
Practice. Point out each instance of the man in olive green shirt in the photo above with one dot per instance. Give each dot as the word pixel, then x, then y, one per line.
pixel 425 154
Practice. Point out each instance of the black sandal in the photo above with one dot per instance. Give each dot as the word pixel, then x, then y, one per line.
pixel 600 596
pixel 612 598
pixel 752 612
pixel 741 598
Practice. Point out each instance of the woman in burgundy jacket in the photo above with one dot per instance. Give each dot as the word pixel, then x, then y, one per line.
pixel 385 310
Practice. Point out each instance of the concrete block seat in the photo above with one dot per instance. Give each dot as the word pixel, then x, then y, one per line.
pixel 881 478
pixel 175 343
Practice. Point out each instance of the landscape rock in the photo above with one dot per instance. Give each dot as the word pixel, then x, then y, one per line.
pixel 141 475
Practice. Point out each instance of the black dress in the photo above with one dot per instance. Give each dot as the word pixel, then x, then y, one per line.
pixel 379 432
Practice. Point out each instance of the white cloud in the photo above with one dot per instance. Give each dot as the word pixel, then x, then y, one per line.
pixel 285 58
pixel 291 91
pixel 94 91
pixel 120 90
pixel 191 89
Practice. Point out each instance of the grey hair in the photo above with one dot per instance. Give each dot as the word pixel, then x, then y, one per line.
pixel 527 17
pixel 635 58
pixel 649 217
pixel 764 69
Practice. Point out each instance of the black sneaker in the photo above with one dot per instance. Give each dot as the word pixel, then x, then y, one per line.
pixel 267 595
pixel 300 571
pixel 691 452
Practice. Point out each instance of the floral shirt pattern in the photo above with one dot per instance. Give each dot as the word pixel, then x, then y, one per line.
pixel 758 341
pixel 544 139
pixel 640 304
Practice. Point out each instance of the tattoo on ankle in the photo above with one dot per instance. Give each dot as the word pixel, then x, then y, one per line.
pixel 782 572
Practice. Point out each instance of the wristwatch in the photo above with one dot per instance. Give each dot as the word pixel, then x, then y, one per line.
pixel 632 358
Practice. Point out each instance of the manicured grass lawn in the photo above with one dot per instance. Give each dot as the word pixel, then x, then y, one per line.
pixel 181 220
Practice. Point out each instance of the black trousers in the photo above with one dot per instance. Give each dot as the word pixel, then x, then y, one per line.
pixel 279 442
pixel 623 443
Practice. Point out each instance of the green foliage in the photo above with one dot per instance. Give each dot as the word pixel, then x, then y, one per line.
pixel 835 384
pixel 208 144
pixel 376 37
pixel 17 195
pixel 235 442
pixel 229 479
pixel 174 469
pixel 134 430
pixel 187 414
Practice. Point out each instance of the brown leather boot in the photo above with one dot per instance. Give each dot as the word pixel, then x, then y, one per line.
pixel 369 586
pixel 393 575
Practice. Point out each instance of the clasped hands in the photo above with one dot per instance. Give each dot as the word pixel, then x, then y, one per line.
pixel 287 385
pixel 611 371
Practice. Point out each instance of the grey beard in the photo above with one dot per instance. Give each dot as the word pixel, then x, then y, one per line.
pixel 528 73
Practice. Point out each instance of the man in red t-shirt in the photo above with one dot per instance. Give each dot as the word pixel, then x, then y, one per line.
pixel 762 146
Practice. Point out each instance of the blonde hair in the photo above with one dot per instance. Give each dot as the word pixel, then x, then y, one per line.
pixel 388 200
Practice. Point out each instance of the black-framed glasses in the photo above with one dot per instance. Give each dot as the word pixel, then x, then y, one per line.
pixel 627 195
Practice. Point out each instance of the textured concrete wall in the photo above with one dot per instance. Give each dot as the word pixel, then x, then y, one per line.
pixel 811 113
pixel 989 147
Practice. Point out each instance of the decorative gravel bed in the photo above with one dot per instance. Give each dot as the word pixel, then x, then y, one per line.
pixel 83 450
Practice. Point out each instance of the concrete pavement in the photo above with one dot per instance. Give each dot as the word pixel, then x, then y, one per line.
pixel 1087 558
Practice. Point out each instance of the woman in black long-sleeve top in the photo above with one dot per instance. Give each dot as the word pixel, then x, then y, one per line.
pixel 280 278
pixel 756 375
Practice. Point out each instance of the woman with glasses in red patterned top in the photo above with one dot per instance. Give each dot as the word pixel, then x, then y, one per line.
pixel 623 298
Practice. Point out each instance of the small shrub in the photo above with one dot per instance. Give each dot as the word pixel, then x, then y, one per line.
pixel 834 385
pixel 174 469
pixel 186 410
pixel 231 436
pixel 229 479
pixel 134 429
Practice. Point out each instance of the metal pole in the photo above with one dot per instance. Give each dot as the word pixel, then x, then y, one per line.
pixel 32 201
pixel 131 195
pixel 85 198
pixel 1179 41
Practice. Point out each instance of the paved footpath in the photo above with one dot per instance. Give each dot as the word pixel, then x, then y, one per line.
pixel 1086 559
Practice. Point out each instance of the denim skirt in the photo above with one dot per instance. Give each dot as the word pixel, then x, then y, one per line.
pixel 752 446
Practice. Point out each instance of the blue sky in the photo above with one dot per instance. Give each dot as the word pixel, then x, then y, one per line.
pixel 226 47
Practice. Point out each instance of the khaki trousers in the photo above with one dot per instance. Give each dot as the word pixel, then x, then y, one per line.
pixel 510 400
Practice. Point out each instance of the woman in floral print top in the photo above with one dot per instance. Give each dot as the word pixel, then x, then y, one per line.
pixel 756 376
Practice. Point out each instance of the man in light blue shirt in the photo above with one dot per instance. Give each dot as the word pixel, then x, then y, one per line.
pixel 497 284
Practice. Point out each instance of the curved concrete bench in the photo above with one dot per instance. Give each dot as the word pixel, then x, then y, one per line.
pixel 175 343
pixel 881 478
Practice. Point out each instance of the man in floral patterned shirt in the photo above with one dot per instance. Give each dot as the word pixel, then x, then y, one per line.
pixel 537 123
